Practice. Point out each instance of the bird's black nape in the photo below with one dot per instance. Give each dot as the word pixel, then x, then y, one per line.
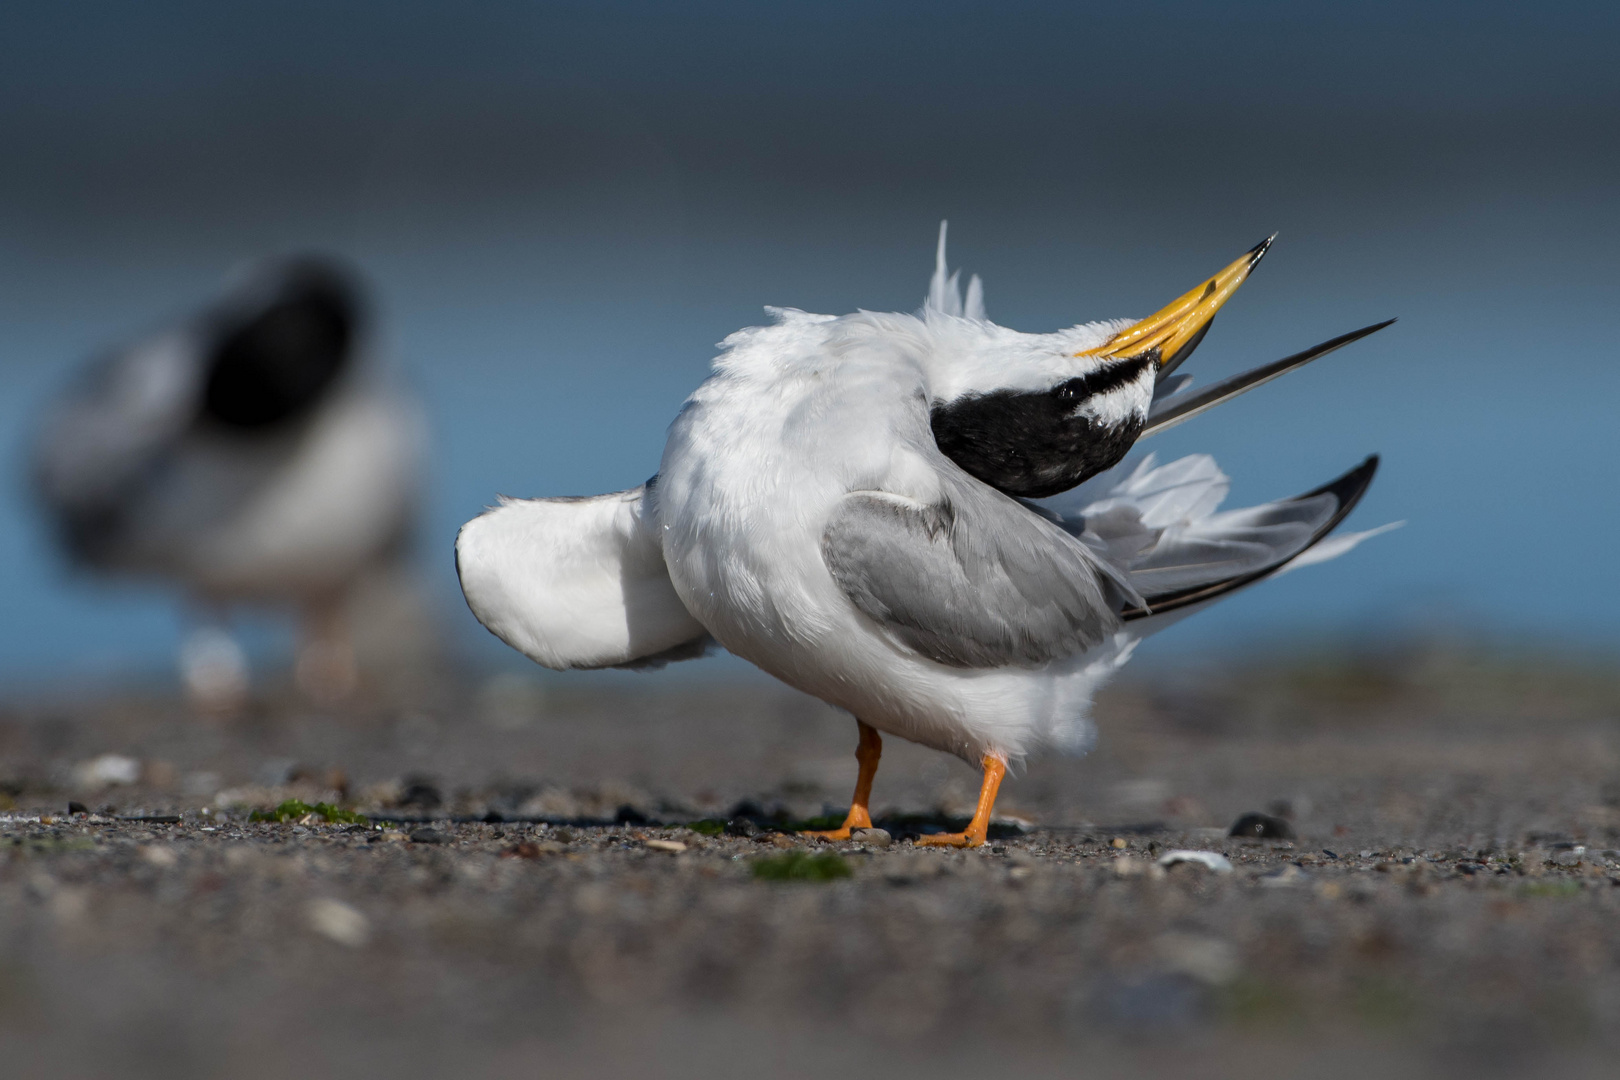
pixel 277 355
pixel 1033 444
pixel 1347 489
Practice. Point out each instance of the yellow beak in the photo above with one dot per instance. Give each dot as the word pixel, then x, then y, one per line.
pixel 1173 332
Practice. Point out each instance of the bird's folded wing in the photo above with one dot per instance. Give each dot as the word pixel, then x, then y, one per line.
pixel 976 581
pixel 1158 526
pixel 576 583
pixel 1201 559
pixel 1223 546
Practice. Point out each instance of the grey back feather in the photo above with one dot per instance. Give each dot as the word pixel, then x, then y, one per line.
pixel 976 581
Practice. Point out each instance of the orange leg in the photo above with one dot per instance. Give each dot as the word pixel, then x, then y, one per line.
pixel 867 753
pixel 994 770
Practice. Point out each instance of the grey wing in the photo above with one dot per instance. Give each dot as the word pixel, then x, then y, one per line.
pixel 114 426
pixel 977 581
pixel 1158 526
pixel 1241 547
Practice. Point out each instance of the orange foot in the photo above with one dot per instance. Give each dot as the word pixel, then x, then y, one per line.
pixel 843 832
pixel 867 753
pixel 979 827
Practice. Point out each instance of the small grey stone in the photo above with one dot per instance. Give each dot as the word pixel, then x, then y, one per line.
pixel 429 836
pixel 1287 877
pixel 872 837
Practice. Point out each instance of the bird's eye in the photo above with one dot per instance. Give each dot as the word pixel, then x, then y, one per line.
pixel 1070 391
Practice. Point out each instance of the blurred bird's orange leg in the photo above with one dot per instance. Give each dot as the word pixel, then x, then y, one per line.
pixel 867 753
pixel 979 827
pixel 326 668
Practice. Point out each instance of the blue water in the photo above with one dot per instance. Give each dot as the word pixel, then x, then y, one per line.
pixel 557 246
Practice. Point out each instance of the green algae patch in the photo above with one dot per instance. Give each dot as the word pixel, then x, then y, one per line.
pixel 297 809
pixel 1560 888
pixel 707 827
pixel 801 866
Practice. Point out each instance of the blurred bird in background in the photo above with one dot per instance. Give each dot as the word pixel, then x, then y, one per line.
pixel 924 520
pixel 254 453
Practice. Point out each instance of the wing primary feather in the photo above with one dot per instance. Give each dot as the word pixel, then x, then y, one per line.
pixel 1347 489
pixel 1168 412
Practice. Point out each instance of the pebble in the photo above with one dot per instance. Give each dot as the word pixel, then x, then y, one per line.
pixel 106 770
pixel 338 921
pixel 429 836
pixel 1288 877
pixel 1257 826
pixel 909 869
pixel 422 793
pixel 159 856
pixel 872 837
pixel 1130 866
pixel 1209 960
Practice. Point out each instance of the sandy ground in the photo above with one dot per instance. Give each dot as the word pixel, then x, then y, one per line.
pixel 526 898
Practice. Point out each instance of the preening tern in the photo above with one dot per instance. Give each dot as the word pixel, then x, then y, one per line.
pixel 250 453
pixel 922 519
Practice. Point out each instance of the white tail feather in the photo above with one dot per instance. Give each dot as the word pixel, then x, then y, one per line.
pixel 945 288
pixel 575 583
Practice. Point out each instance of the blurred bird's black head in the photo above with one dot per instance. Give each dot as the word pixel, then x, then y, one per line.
pixel 279 347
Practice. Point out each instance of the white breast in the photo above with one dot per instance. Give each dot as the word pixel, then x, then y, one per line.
pixel 240 520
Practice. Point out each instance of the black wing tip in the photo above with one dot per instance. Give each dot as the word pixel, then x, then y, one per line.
pixel 1347 490
pixel 1346 339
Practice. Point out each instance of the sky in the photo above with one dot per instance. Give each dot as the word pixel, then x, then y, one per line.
pixel 562 208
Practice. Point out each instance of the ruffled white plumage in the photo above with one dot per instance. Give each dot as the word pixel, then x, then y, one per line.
pixel 804 415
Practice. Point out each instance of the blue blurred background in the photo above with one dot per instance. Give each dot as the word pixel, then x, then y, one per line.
pixel 562 207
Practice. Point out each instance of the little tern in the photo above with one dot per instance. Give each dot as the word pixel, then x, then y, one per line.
pixel 253 452
pixel 922 519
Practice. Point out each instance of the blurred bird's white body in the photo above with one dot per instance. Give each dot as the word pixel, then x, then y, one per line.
pixel 303 517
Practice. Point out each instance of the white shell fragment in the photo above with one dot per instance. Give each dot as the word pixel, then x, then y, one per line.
pixel 673 847
pixel 1214 860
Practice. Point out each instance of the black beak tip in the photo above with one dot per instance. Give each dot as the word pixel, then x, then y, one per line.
pixel 1259 250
